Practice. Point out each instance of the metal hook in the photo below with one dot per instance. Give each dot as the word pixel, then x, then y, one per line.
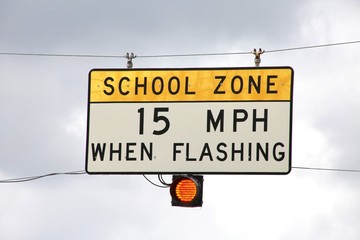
pixel 130 57
pixel 257 56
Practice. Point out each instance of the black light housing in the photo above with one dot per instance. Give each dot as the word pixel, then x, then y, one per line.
pixel 187 190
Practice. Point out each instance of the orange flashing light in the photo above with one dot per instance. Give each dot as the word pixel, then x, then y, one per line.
pixel 186 191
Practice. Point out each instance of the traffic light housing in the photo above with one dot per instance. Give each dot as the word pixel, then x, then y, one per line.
pixel 187 190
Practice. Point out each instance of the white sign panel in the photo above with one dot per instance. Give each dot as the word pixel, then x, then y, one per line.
pixel 215 121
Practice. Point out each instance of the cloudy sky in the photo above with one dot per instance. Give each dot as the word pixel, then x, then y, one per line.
pixel 43 105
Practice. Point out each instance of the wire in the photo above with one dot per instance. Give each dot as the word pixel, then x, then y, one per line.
pixel 328 169
pixel 27 179
pixel 313 46
pixel 160 177
pixel 193 55
pixel 249 52
pixel 175 55
pixel 60 55
pixel 160 186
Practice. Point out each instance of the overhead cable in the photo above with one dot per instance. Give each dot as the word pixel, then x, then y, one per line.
pixel 59 55
pixel 175 55
pixel 27 179
pixel 164 184
pixel 328 169
pixel 313 46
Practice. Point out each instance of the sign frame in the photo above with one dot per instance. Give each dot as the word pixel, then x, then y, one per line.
pixel 187 101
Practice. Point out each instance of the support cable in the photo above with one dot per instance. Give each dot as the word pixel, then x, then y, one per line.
pixel 160 177
pixel 313 46
pixel 328 169
pixel 176 55
pixel 27 179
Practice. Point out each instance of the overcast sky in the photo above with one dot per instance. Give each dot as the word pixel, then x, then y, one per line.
pixel 43 105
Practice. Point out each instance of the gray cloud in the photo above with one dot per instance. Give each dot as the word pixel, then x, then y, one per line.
pixel 43 105
pixel 147 26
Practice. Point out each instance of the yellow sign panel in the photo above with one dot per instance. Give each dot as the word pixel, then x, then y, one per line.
pixel 173 85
